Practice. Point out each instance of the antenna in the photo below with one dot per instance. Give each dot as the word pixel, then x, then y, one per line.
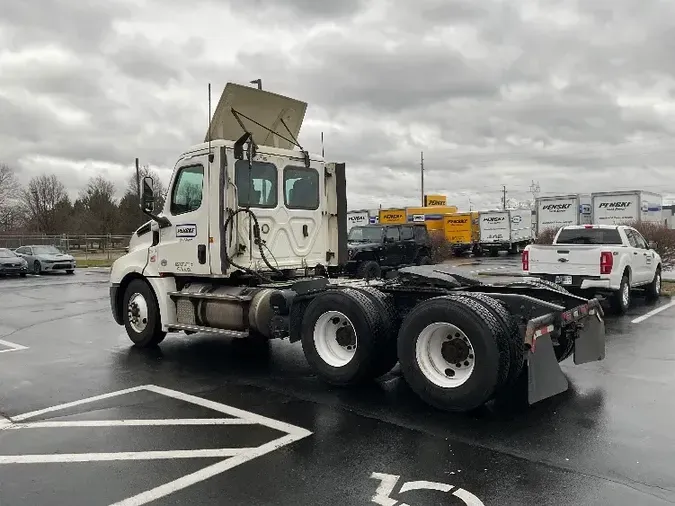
pixel 323 153
pixel 210 133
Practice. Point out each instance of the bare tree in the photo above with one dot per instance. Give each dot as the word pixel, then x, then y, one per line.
pixel 98 200
pixel 9 186
pixel 40 200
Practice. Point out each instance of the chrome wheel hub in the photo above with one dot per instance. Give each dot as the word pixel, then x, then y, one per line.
pixel 137 311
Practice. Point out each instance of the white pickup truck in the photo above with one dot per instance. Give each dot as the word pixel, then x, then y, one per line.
pixel 601 259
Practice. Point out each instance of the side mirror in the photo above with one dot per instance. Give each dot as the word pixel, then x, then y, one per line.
pixel 148 195
pixel 652 245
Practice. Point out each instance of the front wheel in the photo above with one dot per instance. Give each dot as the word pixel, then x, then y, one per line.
pixel 70 271
pixel 141 315
pixel 37 268
pixel 369 269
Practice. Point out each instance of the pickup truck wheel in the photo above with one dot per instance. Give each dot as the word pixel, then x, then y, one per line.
pixel 620 300
pixel 654 288
pixel 452 353
pixel 369 269
pixel 341 334
pixel 141 315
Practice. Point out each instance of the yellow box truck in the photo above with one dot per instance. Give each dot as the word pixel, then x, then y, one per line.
pixel 462 230
pixel 392 216
pixel 431 216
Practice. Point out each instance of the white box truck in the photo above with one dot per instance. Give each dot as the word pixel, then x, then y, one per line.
pixel 621 207
pixel 509 230
pixel 563 211
pixel 355 218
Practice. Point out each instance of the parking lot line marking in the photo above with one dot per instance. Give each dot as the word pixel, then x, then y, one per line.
pixel 73 404
pixel 105 457
pixel 11 346
pixel 131 423
pixel 229 410
pixel 208 472
pixel 642 318
pixel 232 456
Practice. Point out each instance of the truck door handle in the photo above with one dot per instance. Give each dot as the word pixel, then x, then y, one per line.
pixel 201 253
pixel 634 252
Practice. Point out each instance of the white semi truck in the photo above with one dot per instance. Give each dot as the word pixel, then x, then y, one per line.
pixel 249 241
pixel 554 212
pixel 623 207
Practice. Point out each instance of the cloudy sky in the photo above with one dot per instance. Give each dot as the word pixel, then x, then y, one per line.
pixel 577 96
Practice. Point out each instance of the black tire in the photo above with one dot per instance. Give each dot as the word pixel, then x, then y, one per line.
pixel 511 336
pixel 369 269
pixel 70 271
pixel 386 356
pixel 654 288
pixel 23 274
pixel 487 340
pixel 494 252
pixel 152 334
pixel 617 300
pixel 37 267
pixel 371 336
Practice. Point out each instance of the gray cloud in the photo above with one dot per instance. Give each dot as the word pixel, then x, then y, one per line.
pixel 494 93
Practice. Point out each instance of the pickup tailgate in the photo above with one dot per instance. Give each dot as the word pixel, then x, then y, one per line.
pixel 576 259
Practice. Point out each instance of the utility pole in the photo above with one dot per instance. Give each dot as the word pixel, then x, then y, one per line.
pixel 534 190
pixel 504 197
pixel 422 175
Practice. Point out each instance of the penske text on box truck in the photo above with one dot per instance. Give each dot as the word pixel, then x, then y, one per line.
pixel 505 230
pixel 615 208
pixel 563 210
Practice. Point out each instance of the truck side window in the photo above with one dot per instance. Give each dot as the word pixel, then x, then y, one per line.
pixel 406 233
pixel 257 187
pixel 641 241
pixel 631 238
pixel 301 188
pixel 392 234
pixel 187 190
pixel 420 234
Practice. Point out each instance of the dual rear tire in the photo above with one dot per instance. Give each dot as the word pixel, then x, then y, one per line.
pixel 456 352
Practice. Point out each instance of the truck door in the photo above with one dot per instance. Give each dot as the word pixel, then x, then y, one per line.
pixel 409 247
pixel 393 246
pixel 184 246
pixel 638 257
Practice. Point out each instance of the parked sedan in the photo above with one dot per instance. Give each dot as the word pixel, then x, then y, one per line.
pixel 12 264
pixel 46 259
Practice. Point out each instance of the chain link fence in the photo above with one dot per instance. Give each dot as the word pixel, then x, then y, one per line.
pixel 95 248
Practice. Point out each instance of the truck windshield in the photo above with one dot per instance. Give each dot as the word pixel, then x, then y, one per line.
pixel 589 236
pixel 365 234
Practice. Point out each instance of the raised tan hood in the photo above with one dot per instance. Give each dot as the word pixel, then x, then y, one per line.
pixel 264 107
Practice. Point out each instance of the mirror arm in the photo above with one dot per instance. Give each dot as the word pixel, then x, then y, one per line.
pixel 162 221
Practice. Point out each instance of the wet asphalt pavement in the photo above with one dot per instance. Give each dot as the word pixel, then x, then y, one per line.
pixel 209 421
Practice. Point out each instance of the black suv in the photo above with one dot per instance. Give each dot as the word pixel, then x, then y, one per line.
pixel 374 248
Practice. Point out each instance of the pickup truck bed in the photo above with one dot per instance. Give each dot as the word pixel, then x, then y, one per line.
pixel 597 259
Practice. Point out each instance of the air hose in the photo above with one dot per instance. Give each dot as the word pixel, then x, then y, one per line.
pixel 257 240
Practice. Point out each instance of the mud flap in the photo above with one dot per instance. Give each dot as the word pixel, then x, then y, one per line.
pixel 544 376
pixel 590 345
